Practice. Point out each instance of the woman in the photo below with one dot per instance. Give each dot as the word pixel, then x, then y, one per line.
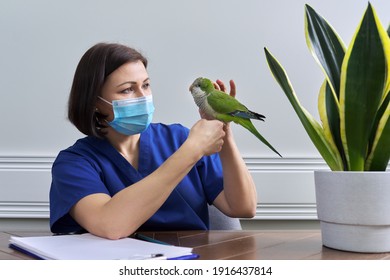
pixel 129 174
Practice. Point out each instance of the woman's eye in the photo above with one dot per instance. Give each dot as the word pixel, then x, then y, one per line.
pixel 146 86
pixel 127 90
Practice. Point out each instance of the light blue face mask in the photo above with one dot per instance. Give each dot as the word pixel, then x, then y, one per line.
pixel 133 115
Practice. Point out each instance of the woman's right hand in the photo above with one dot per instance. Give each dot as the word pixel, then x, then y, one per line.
pixel 206 136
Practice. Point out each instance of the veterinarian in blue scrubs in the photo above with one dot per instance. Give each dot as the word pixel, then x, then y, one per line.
pixel 130 174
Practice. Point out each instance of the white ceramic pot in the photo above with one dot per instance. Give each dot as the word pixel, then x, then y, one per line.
pixel 354 210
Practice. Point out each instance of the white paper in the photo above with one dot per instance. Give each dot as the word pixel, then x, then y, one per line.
pixel 90 247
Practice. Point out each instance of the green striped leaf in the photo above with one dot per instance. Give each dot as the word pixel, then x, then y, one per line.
pixel 326 47
pixel 328 50
pixel 312 127
pixel 329 115
pixel 363 83
pixel 380 154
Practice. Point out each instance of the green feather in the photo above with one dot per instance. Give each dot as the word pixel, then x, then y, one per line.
pixel 224 103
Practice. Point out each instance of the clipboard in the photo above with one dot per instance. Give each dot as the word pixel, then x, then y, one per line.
pixel 90 247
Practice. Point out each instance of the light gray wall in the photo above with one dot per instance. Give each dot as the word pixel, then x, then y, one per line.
pixel 42 42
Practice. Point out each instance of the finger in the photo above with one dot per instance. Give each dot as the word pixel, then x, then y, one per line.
pixel 216 86
pixel 232 88
pixel 226 126
pixel 219 146
pixel 221 85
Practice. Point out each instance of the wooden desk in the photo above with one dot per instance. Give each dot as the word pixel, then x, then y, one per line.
pixel 234 245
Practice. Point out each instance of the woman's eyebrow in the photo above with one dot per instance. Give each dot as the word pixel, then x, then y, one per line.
pixel 132 82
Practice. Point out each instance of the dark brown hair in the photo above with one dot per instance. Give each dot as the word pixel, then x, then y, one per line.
pixel 94 67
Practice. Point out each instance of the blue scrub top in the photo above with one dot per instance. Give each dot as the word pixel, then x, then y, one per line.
pixel 92 166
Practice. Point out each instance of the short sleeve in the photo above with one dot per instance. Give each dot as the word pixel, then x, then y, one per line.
pixel 73 177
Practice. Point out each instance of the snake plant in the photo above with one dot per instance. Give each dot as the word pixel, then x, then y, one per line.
pixel 353 101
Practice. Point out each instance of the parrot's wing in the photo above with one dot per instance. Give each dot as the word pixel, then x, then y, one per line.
pixel 223 103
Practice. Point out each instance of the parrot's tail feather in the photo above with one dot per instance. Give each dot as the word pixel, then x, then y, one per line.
pixel 249 126
pixel 247 115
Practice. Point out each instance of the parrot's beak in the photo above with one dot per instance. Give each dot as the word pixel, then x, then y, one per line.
pixel 195 83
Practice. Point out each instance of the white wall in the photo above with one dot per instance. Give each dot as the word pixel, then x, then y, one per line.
pixel 42 42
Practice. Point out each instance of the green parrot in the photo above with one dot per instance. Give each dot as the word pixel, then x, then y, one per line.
pixel 224 107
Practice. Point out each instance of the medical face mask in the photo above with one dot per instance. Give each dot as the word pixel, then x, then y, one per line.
pixel 133 115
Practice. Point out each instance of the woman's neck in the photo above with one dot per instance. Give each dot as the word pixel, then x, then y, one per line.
pixel 127 146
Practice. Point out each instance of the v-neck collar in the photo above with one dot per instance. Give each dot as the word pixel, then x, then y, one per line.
pixel 104 147
pixel 144 155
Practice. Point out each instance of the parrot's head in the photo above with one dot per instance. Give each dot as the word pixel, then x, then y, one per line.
pixel 201 87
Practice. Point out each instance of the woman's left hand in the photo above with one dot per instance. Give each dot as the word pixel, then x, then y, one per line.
pixel 219 85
